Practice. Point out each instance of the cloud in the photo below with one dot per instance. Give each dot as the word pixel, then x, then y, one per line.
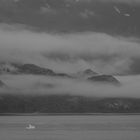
pixel 69 52
pixel 125 1
pixel 47 9
pixel 85 42
pixel 87 14
pixel 29 84
pixel 115 1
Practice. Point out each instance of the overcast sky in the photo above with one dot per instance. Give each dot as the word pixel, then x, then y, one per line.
pixel 116 1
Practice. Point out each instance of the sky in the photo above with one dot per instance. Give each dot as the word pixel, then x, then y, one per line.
pixel 126 1
pixel 115 1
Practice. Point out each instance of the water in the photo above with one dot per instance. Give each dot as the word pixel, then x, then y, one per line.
pixel 70 127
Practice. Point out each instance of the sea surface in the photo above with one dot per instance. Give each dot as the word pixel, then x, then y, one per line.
pixel 69 127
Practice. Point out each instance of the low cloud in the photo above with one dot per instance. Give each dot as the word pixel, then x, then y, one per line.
pixel 29 84
pixel 69 52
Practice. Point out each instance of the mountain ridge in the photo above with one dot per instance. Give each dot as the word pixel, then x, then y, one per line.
pixel 88 74
pixel 66 104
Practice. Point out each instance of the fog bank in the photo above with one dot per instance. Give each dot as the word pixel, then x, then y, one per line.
pixel 29 84
pixel 69 52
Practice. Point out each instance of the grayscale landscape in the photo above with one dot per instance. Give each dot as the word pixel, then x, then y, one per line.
pixel 69 69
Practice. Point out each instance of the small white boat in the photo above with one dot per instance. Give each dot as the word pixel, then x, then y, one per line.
pixel 30 127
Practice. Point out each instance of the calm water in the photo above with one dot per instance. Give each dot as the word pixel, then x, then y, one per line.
pixel 70 127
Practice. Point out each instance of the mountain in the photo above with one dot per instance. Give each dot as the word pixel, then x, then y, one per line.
pixel 34 69
pixel 14 68
pixel 86 74
pixel 89 72
pixel 66 104
pixel 105 79
pixel 1 84
pixel 8 68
